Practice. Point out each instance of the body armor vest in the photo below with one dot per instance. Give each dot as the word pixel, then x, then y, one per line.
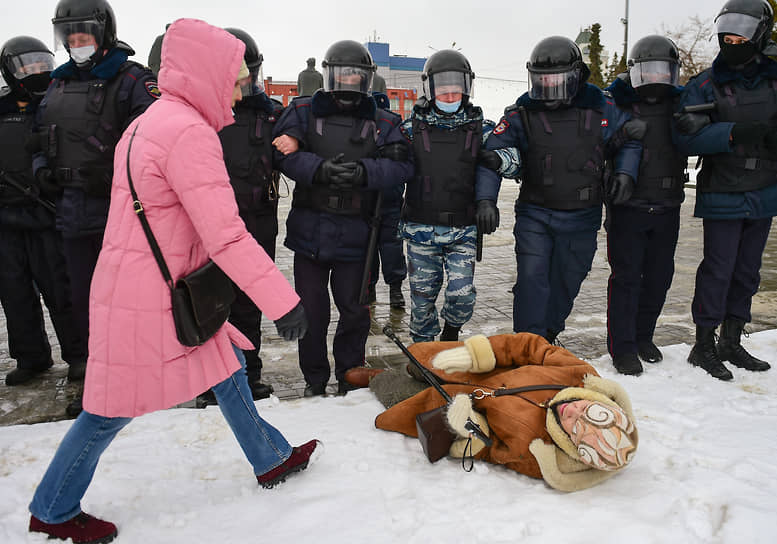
pixel 565 162
pixel 81 126
pixel 745 168
pixel 442 192
pixel 247 145
pixel 353 137
pixel 15 128
pixel 662 168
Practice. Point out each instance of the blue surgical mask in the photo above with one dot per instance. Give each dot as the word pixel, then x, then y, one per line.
pixel 448 107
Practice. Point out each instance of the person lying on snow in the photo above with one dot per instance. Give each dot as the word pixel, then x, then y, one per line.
pixel 575 434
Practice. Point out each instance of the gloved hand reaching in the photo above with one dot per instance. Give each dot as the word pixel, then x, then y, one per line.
pixel 293 325
pixel 329 169
pixel 691 123
pixel 489 159
pixel 621 188
pixel 352 175
pixel 634 129
pixel 487 216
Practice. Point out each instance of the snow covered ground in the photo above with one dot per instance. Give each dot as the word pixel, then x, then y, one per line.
pixel 705 473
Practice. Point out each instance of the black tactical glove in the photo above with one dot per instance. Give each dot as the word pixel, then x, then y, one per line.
pixel 621 188
pixel 489 159
pixel 748 133
pixel 293 325
pixel 352 175
pixel 396 152
pixel 329 169
pixel 44 177
pixel 691 123
pixel 634 129
pixel 487 216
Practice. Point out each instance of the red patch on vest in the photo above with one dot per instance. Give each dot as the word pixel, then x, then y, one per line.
pixel 501 127
pixel 153 89
pixel 605 122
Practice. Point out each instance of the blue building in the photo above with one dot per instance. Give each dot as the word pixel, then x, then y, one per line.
pixel 402 75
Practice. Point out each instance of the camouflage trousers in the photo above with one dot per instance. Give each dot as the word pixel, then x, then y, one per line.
pixel 433 252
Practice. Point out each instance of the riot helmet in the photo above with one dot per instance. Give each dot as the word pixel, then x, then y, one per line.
pixel 84 28
pixel 751 19
pixel 348 68
pixel 447 80
pixel 654 66
pixel 26 64
pixel 255 83
pixel 556 70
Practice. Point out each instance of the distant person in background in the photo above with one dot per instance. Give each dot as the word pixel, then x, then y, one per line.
pixel 309 80
pixel 736 189
pixel 155 55
pixel 378 84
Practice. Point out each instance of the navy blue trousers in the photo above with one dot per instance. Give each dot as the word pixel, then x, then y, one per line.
pixel 81 258
pixel 33 265
pixel 244 314
pixel 312 280
pixel 728 276
pixel 640 250
pixel 390 252
pixel 554 250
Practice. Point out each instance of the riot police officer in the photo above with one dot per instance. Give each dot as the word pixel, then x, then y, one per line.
pixel 249 158
pixel 31 247
pixel 449 195
pixel 736 192
pixel 642 231
pixel 349 150
pixel 91 100
pixel 564 128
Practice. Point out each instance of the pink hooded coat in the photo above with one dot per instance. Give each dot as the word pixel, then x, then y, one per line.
pixel 136 364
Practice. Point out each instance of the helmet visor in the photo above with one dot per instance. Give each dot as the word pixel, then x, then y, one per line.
pixel 651 72
pixel 445 83
pixel 554 86
pixel 26 64
pixel 70 33
pixel 347 78
pixel 738 24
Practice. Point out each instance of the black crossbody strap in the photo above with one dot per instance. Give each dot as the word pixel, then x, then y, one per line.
pixel 515 390
pixel 138 208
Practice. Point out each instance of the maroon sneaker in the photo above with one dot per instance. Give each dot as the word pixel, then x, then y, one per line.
pixel 83 529
pixel 298 460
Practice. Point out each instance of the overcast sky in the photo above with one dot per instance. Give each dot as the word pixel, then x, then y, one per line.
pixel 496 35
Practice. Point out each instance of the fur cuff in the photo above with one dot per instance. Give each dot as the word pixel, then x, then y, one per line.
pixel 563 473
pixel 481 353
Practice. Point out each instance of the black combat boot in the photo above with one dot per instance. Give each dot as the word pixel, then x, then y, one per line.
pixel 396 300
pixel 259 390
pixel 449 333
pixel 705 355
pixel 627 363
pixel 649 352
pixel 730 348
pixel 19 376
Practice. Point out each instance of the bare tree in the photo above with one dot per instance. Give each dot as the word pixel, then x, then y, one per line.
pixel 694 39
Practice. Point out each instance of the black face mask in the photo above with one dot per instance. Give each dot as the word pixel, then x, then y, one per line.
pixel 36 84
pixel 347 100
pixel 654 93
pixel 736 55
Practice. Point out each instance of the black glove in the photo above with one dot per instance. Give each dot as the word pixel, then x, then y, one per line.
pixel 329 169
pixel 352 175
pixel 489 159
pixel 691 123
pixel 621 188
pixel 44 177
pixel 294 324
pixel 748 133
pixel 396 152
pixel 487 216
pixel 634 129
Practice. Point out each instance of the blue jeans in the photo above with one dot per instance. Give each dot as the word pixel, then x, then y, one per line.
pixel 58 497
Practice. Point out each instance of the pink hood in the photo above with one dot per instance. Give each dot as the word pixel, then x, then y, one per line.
pixel 200 64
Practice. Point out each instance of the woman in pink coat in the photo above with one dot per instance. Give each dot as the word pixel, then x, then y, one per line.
pixel 136 364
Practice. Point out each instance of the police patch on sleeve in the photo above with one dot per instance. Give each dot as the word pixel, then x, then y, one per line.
pixel 153 89
pixel 501 127
pixel 605 122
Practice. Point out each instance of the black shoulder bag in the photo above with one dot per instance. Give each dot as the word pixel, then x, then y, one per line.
pixel 202 299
